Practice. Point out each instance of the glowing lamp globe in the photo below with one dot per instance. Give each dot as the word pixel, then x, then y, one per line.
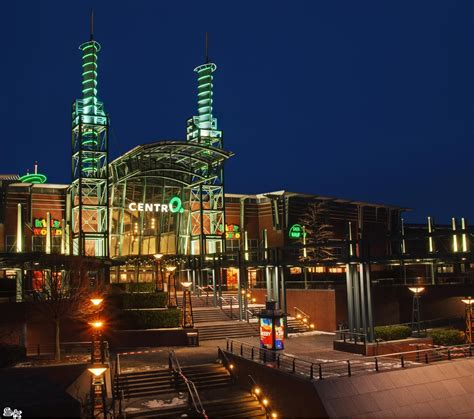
pixel 97 301
pixel 416 290
pixel 97 370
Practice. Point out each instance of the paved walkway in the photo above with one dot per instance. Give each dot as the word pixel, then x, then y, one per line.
pixel 315 347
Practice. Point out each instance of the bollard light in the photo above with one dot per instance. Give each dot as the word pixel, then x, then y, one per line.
pixel 256 390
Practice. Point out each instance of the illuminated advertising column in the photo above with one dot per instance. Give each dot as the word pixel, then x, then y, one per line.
pixel 272 327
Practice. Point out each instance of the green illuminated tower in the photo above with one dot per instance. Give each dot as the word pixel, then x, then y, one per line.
pixel 89 189
pixel 207 199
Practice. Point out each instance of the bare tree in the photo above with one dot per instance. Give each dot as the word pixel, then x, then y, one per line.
pixel 64 293
pixel 319 232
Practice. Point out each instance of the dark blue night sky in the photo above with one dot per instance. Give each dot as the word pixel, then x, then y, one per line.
pixel 366 100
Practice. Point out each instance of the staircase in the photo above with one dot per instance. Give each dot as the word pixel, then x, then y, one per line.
pixel 142 384
pixel 160 382
pixel 215 323
pixel 296 325
pixel 228 329
pixel 240 404
pixel 209 314
pixel 219 397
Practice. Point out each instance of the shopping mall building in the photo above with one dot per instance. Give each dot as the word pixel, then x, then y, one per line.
pixel 169 198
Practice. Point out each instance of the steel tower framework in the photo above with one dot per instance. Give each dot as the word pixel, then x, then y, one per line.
pixel 89 188
pixel 206 216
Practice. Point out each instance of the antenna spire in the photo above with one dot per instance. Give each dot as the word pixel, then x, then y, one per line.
pixel 207 48
pixel 92 24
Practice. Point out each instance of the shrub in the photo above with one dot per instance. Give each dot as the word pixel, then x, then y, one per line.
pixel 143 300
pixel 394 332
pixel 446 337
pixel 151 319
pixel 11 354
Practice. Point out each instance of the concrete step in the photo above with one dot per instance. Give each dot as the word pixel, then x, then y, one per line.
pixel 242 405
pixel 231 329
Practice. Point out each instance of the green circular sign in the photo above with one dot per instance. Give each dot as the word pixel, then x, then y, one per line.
pixel 175 205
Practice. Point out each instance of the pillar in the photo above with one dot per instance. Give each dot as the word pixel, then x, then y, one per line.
pixel 19 285
pixel 63 236
pixel 48 233
pixel 350 297
pixel 19 230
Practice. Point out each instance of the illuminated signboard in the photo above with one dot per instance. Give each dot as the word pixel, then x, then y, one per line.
pixel 268 339
pixel 40 227
pixel 296 232
pixel 175 205
pixel 232 231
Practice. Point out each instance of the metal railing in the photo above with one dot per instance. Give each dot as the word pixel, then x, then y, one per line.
pixel 253 385
pixel 201 290
pixel 348 335
pixel 346 367
pixel 194 401
pixel 304 317
pixel 39 349
pixel 260 396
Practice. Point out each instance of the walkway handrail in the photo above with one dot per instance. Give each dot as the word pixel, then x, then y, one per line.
pixel 202 289
pixel 353 336
pixel 300 314
pixel 259 395
pixel 192 391
pixel 222 300
pixel 347 367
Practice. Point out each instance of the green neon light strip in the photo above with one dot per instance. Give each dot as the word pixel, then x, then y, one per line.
pixel 33 178
pixel 91 142
pixel 91 54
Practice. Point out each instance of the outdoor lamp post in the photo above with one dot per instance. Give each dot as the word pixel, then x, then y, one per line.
pixel 415 314
pixel 158 257
pixel 468 302
pixel 172 299
pixel 98 392
pixel 187 316
pixel 97 353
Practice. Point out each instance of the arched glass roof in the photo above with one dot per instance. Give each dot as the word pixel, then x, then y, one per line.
pixel 185 163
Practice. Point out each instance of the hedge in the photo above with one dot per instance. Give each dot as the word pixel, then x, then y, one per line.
pixel 151 319
pixel 143 300
pixel 394 332
pixel 446 337
pixel 11 354
pixel 136 286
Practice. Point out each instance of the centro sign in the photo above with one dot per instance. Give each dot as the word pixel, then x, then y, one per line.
pixel 175 205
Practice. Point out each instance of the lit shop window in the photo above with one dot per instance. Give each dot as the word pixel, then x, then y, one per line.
pixel 446 269
pixel 338 270
pixel 317 269
pixel 295 270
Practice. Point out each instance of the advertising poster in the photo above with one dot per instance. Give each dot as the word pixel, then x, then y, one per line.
pixel 279 333
pixel 266 337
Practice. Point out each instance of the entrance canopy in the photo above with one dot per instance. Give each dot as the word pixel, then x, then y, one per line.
pixel 179 163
